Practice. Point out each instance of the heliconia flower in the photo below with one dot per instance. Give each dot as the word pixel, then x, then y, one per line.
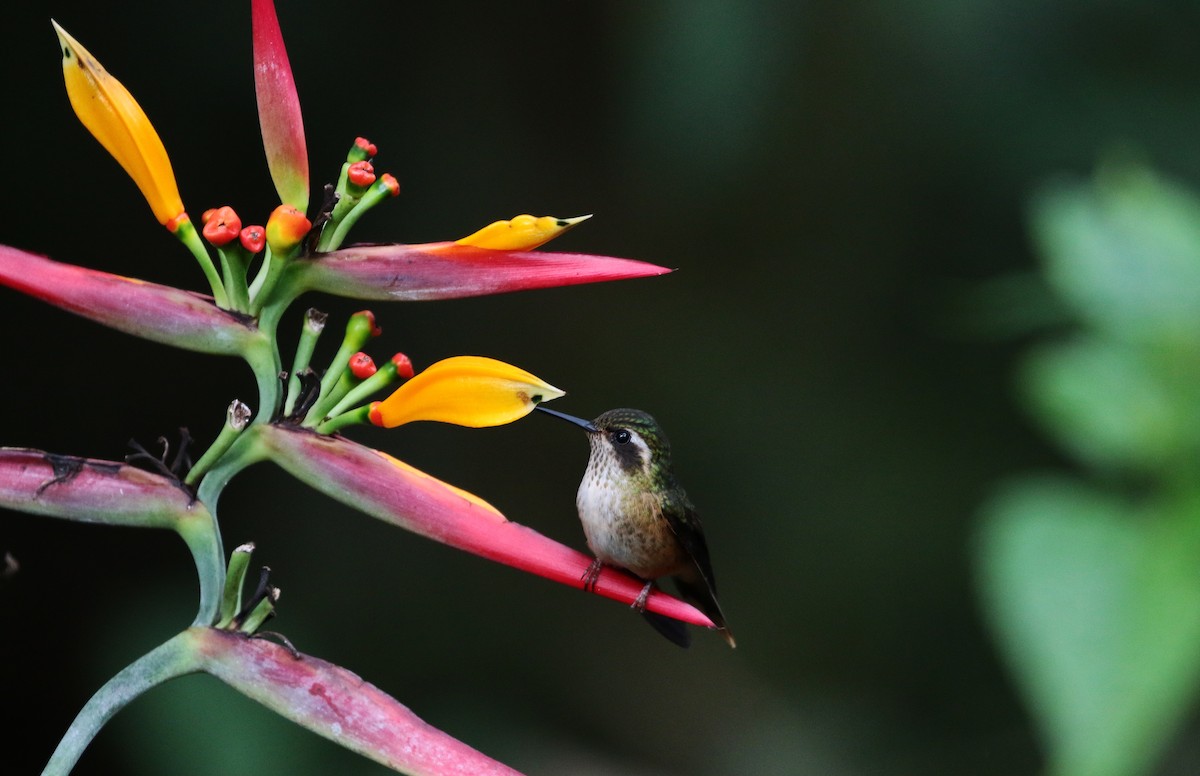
pixel 446 270
pixel 286 227
pixel 336 704
pixel 109 112
pixel 522 233
pixel 388 489
pixel 465 390
pixel 221 226
pixel 148 310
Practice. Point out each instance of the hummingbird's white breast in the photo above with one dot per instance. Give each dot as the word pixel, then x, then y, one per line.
pixel 622 517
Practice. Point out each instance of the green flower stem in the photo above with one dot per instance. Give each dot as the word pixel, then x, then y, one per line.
pixel 271 270
pixel 261 276
pixel 342 229
pixel 345 203
pixel 186 234
pixel 314 324
pixel 175 657
pixel 323 407
pixel 384 376
pixel 236 419
pixel 247 449
pixel 359 330
pixel 373 196
pixel 233 266
pixel 262 612
pixel 353 417
pixel 231 600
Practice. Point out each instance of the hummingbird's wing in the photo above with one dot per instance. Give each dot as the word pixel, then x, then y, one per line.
pixel 685 524
pixel 699 586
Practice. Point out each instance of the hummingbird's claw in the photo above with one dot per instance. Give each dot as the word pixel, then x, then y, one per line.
pixel 640 602
pixel 591 576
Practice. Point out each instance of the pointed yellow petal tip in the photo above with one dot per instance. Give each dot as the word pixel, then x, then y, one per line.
pixel 522 233
pixel 109 112
pixel 467 391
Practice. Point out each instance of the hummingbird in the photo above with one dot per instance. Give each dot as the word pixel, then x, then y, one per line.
pixel 636 516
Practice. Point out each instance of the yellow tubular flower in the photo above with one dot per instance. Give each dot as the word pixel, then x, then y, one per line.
pixel 467 391
pixel 522 233
pixel 109 112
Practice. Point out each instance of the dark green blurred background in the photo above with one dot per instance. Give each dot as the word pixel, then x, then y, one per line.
pixel 833 180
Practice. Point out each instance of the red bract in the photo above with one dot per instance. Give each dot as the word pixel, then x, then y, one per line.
pixel 148 310
pixel 278 108
pixel 336 704
pixel 91 490
pixel 391 490
pixel 445 270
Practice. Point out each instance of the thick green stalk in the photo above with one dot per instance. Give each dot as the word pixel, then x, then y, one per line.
pixel 173 658
pixel 265 362
pixel 203 537
pixel 245 450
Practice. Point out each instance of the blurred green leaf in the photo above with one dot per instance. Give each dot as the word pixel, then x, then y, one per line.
pixel 1109 403
pixel 1098 614
pixel 1125 252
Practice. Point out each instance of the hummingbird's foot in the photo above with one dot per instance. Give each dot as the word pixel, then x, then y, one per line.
pixel 640 602
pixel 591 576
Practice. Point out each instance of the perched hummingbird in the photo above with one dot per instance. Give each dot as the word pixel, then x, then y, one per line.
pixel 636 516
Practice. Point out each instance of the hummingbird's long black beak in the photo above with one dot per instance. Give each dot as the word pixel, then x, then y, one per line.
pixel 586 425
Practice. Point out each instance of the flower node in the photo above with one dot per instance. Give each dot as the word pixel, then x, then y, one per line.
pixel 361 174
pixel 253 238
pixel 221 226
pixel 362 366
pixel 403 364
pixel 362 149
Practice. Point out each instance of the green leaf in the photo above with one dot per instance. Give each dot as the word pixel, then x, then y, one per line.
pixel 1111 404
pixel 1098 613
pixel 1125 252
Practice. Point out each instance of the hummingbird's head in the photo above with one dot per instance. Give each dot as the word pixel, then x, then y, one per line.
pixel 632 438
pixel 629 438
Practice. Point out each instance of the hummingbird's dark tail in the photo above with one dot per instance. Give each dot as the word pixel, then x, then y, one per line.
pixel 675 631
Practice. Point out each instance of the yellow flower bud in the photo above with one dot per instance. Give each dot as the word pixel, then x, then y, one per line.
pixel 522 233
pixel 467 391
pixel 109 112
pixel 286 227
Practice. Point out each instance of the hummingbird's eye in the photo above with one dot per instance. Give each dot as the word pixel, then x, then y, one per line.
pixel 621 437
